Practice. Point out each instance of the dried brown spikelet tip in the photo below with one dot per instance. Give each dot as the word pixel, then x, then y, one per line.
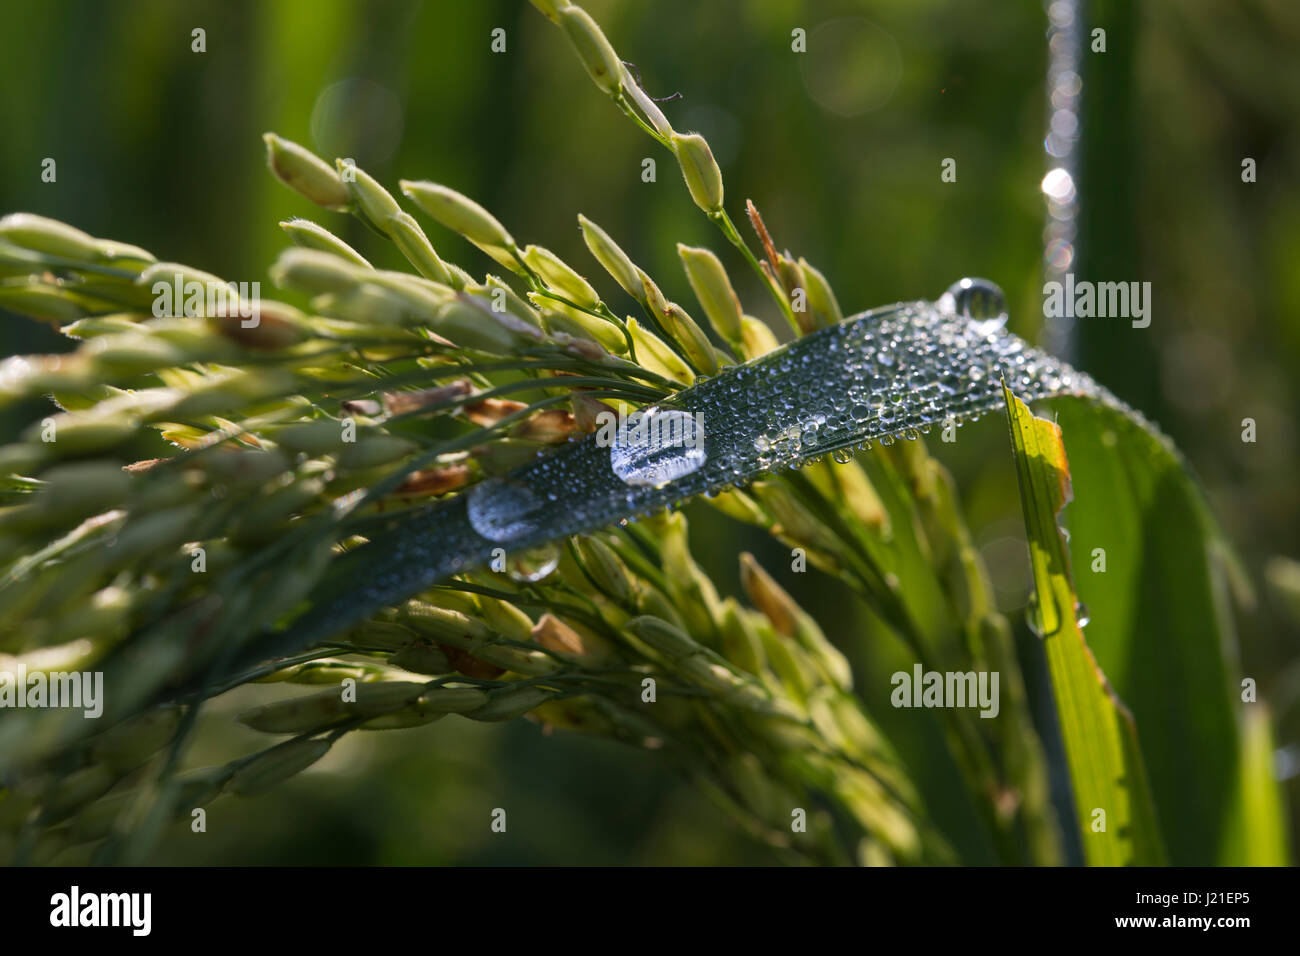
pixel 401 403
pixel 755 220
pixel 551 426
pixel 278 327
pixel 554 635
pixel 489 411
pixel 589 412
pixel 466 663
pixel 432 482
pixel 362 406
pixel 768 596
pixel 146 465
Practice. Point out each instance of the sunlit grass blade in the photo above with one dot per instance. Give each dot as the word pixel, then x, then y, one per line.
pixel 1112 802
pixel 1154 571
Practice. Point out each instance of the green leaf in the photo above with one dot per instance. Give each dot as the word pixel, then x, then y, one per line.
pixel 1256 832
pixel 1100 738
pixel 1162 629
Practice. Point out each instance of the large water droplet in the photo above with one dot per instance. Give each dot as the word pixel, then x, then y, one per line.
pixel 979 300
pixel 502 510
pixel 657 446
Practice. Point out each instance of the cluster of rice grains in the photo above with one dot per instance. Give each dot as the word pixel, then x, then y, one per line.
pixel 289 534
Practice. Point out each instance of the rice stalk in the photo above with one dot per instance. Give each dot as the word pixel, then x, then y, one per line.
pixel 286 445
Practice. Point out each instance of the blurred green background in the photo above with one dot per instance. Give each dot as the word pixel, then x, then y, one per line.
pixel 840 148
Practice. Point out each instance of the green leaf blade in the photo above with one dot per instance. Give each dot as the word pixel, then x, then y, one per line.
pixel 1099 735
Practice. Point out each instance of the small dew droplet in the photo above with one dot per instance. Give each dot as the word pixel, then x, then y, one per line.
pixel 533 565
